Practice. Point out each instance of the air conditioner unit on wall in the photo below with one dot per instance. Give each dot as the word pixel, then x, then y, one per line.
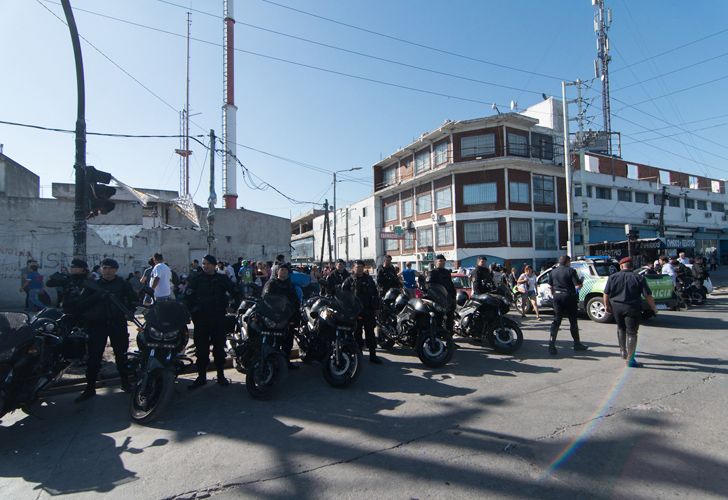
pixel 391 227
pixel 651 215
pixel 410 225
pixel 440 219
pixel 433 217
pixel 708 215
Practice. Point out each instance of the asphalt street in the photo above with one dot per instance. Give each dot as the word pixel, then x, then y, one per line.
pixel 578 425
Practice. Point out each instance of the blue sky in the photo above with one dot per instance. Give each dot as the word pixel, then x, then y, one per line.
pixel 331 121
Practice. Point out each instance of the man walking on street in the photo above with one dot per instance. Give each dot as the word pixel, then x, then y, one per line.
pixel 363 287
pixel 623 298
pixel 207 297
pixel 161 279
pixel 564 280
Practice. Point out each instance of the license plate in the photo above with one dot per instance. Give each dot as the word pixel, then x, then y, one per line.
pixel 274 334
pixel 661 307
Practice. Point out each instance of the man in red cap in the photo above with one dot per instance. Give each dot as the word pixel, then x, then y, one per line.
pixel 623 298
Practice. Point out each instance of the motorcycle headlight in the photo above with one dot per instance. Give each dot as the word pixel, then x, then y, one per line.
pixel 438 308
pixel 155 334
pixel 171 335
pixel 269 322
pixel 49 327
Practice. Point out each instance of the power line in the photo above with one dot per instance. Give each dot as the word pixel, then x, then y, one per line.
pixel 679 133
pixel 701 84
pixel 682 68
pixel 700 120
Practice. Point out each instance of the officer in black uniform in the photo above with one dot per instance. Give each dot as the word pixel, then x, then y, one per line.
pixel 207 296
pixel 363 287
pixel 281 285
pixel 336 277
pixel 103 318
pixel 440 275
pixel 564 280
pixel 387 277
pixel 482 278
pixel 623 298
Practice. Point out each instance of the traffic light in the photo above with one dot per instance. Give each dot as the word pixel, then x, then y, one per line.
pixel 98 193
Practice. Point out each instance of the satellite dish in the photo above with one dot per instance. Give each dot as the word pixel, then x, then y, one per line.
pixel 514 105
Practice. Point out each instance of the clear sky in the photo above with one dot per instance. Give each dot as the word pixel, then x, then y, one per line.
pixel 669 63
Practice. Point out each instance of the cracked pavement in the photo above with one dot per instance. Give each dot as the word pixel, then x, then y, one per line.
pixel 577 425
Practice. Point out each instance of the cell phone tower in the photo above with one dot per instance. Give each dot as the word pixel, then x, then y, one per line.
pixel 602 22
pixel 229 110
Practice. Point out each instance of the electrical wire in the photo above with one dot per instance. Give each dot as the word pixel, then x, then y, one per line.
pixel 701 84
pixel 682 68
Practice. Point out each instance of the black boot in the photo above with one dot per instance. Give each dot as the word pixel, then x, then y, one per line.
pixel 373 358
pixel 221 380
pixel 578 346
pixel 125 385
pixel 552 346
pixel 631 350
pixel 622 339
pixel 200 380
pixel 88 393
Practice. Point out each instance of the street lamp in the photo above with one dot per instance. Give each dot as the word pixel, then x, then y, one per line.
pixel 336 241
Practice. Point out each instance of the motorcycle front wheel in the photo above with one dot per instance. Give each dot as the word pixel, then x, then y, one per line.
pixel 344 371
pixel 696 297
pixel 147 402
pixel 265 375
pixel 504 338
pixel 436 351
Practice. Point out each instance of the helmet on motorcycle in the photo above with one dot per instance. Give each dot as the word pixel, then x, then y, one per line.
pixel 391 295
pixel 401 302
pixel 461 298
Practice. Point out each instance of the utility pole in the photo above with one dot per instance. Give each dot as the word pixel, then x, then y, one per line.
pixel 567 167
pixel 325 231
pixel 602 22
pixel 346 245
pixel 661 220
pixel 212 200
pixel 79 209
pixel 336 242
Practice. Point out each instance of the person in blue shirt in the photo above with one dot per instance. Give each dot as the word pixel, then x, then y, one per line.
pixel 34 286
pixel 409 278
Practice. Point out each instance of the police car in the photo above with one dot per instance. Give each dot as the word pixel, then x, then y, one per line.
pixel 595 270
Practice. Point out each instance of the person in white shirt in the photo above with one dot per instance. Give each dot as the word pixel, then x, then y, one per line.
pixel 668 269
pixel 161 279
pixel 683 260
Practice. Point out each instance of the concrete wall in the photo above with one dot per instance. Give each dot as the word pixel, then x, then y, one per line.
pixel 16 180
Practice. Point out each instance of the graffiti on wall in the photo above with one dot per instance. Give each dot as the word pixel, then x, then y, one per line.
pixel 12 260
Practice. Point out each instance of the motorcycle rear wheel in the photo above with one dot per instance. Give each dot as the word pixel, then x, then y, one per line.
pixel 436 352
pixel 262 378
pixel 143 409
pixel 384 340
pixel 504 339
pixel 696 297
pixel 347 371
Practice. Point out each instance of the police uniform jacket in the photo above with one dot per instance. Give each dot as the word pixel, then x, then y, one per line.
pixel 100 306
pixel 335 279
pixel 442 276
pixel 387 278
pixel 627 287
pixel 563 279
pixel 284 288
pixel 208 293
pixel 364 288
pixel 482 280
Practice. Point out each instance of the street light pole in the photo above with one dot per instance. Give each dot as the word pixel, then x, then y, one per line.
pixel 336 241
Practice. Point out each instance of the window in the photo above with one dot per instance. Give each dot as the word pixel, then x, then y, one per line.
pixel 674 201
pixel 518 192
pixel 365 242
pixel 542 146
pixel 632 171
pixel 422 161
pixel 389 176
pixel 658 199
pixel 545 234
pixel 364 211
pixel 517 144
pixel 641 198
pixel 604 193
pixel 424 203
pixel 689 203
pixel 481 232
pixel 577 191
pixel 444 235
pixel 477 145
pixel 624 195
pixel 424 237
pixel 588 191
pixel 543 189
pixel 520 231
pixel 477 194
pixel 665 177
pixel 391 245
pixel 702 205
pixel 692 182
pixel 717 207
pixel 443 198
pixel 407 208
pixel 409 240
pixel 390 211
pixel 441 153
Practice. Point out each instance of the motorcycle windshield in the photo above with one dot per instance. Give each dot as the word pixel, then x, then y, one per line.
pixel 14 331
pixel 438 294
pixel 167 316
pixel 276 308
pixel 347 306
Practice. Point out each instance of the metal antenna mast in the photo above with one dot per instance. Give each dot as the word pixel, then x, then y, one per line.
pixel 184 149
pixel 602 22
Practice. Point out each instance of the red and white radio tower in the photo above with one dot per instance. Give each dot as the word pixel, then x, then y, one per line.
pixel 229 110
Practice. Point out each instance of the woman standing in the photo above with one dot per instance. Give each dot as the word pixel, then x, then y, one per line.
pixel 527 285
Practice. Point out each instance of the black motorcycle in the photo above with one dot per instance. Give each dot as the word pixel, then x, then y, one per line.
pixel 162 340
pixel 327 336
pixel 258 343
pixel 34 354
pixel 417 323
pixel 483 316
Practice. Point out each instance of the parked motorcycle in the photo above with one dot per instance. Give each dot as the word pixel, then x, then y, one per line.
pixel 34 354
pixel 257 345
pixel 162 340
pixel 692 292
pixel 484 317
pixel 327 336
pixel 417 323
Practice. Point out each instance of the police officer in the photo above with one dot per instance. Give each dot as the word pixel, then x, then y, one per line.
pixel 440 275
pixel 564 280
pixel 363 287
pixel 482 277
pixel 207 296
pixel 281 285
pixel 387 276
pixel 336 277
pixel 623 298
pixel 105 316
